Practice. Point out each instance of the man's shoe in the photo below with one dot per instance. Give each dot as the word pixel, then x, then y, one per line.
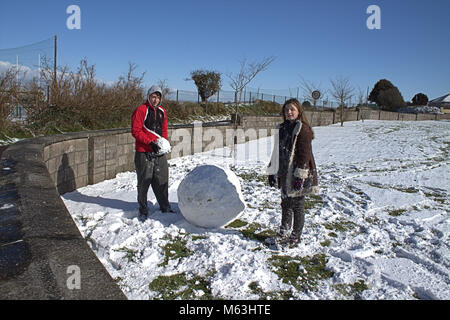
pixel 143 214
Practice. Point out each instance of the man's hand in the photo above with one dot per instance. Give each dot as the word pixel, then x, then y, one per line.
pixel 272 181
pixel 154 146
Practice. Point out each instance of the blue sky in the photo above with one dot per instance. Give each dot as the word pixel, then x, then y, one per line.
pixel 315 40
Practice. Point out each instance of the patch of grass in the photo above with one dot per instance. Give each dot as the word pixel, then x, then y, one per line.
pixel 355 190
pixel 251 232
pixel 270 295
pixel 180 286
pixel 303 273
pixel 376 185
pixel 174 249
pixel 130 254
pixel 353 289
pixel 383 170
pixel 14 130
pixel 325 243
pixel 436 197
pixel 266 204
pixel 332 234
pixel 251 176
pixel 340 225
pixel 236 224
pixel 312 201
pixel 396 212
pixel 372 220
pixel 406 190
pixel 194 238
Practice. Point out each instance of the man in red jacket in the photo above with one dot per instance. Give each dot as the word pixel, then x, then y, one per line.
pixel 149 127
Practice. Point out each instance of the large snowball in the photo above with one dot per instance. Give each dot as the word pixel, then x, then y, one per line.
pixel 210 196
pixel 164 145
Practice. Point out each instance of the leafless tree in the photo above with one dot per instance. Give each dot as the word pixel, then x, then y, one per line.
pixel 308 87
pixel 362 97
pixel 342 91
pixel 247 72
pixel 9 89
pixel 164 87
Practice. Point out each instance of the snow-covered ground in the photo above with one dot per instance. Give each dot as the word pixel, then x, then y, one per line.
pixel 379 229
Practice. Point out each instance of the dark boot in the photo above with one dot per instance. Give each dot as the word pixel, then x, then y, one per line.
pixel 168 210
pixel 143 214
pixel 294 240
pixel 281 237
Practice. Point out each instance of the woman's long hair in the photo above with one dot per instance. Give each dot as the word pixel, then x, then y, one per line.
pixel 301 112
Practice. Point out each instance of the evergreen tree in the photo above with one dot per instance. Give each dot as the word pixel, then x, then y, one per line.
pixel 386 95
pixel 419 99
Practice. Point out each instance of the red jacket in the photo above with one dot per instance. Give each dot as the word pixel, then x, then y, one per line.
pixel 148 124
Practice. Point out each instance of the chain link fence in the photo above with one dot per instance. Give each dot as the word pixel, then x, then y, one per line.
pixel 249 97
pixel 26 62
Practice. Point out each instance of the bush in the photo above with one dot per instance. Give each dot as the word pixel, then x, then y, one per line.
pixel 208 83
pixel 216 108
pixel 306 104
pixel 78 101
pixel 181 110
pixel 9 90
pixel 261 107
pixel 386 95
pixel 419 99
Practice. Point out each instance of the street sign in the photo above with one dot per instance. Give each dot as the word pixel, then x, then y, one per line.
pixel 315 94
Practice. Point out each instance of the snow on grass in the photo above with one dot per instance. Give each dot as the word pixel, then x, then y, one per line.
pixel 378 230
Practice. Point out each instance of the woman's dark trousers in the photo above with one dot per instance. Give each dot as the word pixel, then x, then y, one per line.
pixel 292 216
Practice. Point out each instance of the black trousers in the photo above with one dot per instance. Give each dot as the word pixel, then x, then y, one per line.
pixel 292 215
pixel 152 171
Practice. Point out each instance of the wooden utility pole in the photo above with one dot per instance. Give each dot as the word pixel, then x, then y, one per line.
pixel 54 70
pixel 54 60
pixel 367 97
pixel 367 103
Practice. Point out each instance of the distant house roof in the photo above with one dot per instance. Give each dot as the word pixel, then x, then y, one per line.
pixel 443 101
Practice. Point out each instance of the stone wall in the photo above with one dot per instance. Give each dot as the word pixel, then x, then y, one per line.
pixel 88 159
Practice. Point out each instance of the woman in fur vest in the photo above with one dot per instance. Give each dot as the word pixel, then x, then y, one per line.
pixel 293 168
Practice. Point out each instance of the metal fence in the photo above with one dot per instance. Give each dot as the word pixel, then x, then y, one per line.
pixel 28 60
pixel 249 97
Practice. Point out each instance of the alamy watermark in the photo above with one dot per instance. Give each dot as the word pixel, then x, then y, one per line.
pixel 74 20
pixel 74 279
pixel 373 22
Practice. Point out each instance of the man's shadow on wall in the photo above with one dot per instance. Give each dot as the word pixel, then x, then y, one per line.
pixel 65 176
